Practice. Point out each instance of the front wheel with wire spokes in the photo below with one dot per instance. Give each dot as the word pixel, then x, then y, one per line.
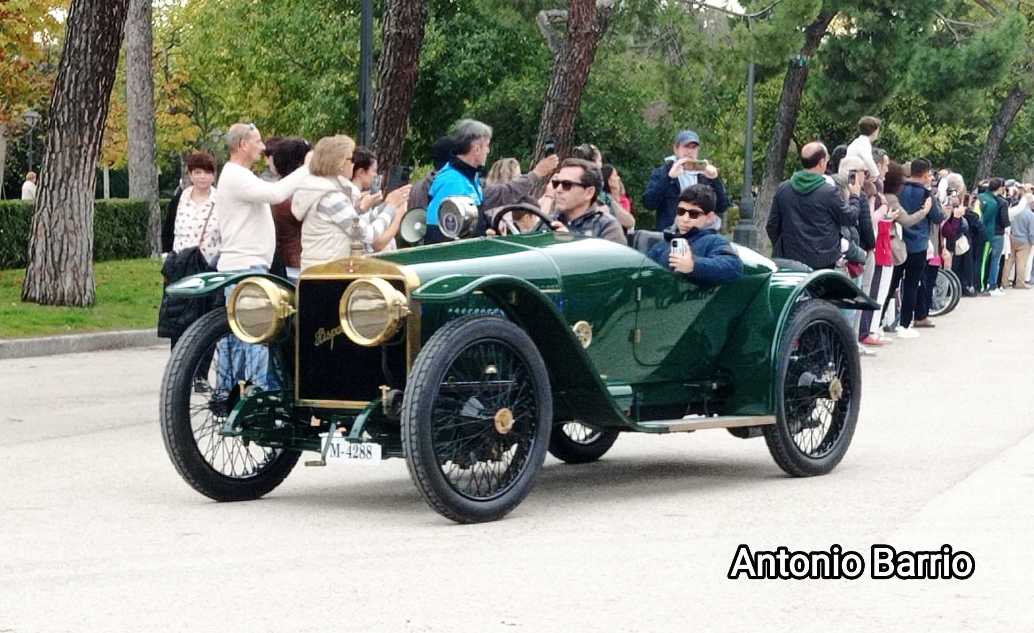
pixel 818 391
pixel 199 390
pixel 476 418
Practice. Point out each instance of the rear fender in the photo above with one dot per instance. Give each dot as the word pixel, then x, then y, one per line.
pixel 827 285
pixel 577 385
pixel 203 284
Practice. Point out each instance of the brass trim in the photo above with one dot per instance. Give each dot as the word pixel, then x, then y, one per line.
pixel 333 404
pixel 352 268
pixel 395 303
pixel 836 389
pixel 583 330
pixel 281 299
pixel 503 421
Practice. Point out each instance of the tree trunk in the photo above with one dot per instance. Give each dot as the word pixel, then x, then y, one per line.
pixel 404 22
pixel 3 157
pixel 586 24
pixel 1000 125
pixel 786 121
pixel 60 270
pixel 143 172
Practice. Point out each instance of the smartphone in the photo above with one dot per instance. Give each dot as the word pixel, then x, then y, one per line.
pixel 398 177
pixel 375 186
pixel 695 165
pixel 852 176
pixel 679 246
pixel 548 148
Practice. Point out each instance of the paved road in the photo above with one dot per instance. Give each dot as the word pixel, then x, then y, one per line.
pixel 98 533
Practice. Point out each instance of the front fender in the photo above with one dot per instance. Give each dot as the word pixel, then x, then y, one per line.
pixel 577 386
pixel 206 283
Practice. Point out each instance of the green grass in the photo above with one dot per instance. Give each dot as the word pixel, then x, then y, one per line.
pixel 128 294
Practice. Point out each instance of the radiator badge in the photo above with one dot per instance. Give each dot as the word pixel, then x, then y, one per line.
pixel 327 336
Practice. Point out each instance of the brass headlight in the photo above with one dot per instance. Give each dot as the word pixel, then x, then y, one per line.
pixel 258 308
pixel 371 311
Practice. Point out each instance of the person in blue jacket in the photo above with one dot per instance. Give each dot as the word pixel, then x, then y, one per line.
pixel 711 259
pixel 671 178
pixel 461 176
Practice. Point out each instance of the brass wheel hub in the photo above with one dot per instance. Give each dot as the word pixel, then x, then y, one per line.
pixel 503 421
pixel 836 389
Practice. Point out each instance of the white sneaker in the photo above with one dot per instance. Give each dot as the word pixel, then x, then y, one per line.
pixel 907 332
pixel 997 292
pixel 866 351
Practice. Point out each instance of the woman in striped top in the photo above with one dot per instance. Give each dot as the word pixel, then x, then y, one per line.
pixel 331 208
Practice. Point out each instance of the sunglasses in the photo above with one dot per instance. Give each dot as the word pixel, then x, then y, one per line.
pixel 692 213
pixel 566 185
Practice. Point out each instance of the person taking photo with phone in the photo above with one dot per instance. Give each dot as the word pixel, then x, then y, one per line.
pixel 693 247
pixel 682 169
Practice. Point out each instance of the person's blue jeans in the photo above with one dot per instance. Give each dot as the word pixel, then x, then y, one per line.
pixel 244 361
pixel 994 266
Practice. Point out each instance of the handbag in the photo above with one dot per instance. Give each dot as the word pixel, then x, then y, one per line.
pixel 962 245
pixel 898 250
pixel 176 314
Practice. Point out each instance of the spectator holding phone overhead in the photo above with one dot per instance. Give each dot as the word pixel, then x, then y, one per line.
pixel 681 170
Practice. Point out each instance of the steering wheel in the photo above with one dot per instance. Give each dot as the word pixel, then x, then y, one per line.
pixel 506 212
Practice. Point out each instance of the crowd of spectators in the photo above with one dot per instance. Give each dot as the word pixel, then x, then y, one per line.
pixel 891 227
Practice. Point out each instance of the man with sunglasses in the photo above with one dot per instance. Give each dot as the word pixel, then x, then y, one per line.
pixel 576 187
pixel 709 259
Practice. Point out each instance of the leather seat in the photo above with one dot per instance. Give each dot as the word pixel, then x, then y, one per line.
pixel 643 240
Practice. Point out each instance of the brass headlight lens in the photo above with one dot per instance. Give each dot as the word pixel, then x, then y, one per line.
pixel 371 311
pixel 258 308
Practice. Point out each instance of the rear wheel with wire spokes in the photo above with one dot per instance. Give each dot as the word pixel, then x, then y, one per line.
pixel 578 443
pixel 476 418
pixel 818 391
pixel 199 390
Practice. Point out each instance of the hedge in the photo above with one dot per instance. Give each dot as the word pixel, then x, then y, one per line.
pixel 119 230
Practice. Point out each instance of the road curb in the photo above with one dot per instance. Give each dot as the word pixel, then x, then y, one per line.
pixel 75 343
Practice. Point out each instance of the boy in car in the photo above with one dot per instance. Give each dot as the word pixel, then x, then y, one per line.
pixel 707 258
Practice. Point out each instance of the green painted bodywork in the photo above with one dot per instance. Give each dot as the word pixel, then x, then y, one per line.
pixel 205 283
pixel 669 342
pixel 662 346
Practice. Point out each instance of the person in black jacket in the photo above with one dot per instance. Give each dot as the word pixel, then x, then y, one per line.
pixel 671 178
pixel 807 213
pixel 169 221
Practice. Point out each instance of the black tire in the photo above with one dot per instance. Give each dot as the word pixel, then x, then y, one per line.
pixel 452 415
pixel 818 356
pixel 260 469
pixel 577 443
pixel 946 293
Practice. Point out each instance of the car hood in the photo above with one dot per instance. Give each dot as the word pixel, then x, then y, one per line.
pixel 544 259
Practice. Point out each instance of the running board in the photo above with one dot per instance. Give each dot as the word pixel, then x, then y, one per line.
pixel 698 423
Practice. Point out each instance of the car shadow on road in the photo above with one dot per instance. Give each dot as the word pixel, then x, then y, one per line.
pixel 610 480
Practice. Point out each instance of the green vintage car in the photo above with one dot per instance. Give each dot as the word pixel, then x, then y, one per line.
pixel 471 359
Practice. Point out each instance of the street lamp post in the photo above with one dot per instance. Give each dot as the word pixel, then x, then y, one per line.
pixel 32 118
pixel 745 233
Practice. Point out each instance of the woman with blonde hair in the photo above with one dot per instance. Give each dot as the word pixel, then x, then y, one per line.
pixel 331 208
pixel 503 171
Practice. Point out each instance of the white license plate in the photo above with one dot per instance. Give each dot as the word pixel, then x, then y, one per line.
pixel 342 450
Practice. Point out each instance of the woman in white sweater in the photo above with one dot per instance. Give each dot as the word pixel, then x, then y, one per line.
pixel 331 208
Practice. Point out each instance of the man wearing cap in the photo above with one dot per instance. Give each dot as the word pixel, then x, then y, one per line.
pixel 677 173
